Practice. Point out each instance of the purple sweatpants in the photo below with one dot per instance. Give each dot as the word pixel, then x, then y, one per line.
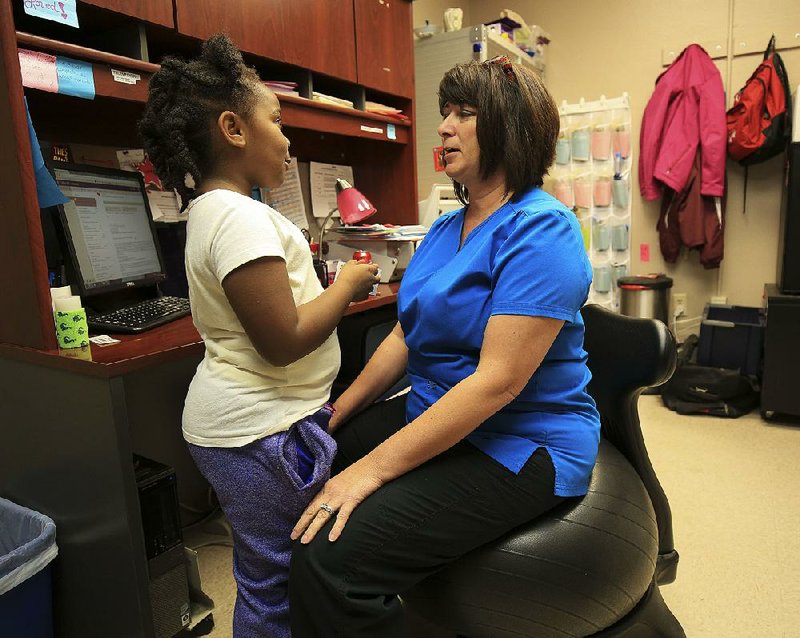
pixel 263 488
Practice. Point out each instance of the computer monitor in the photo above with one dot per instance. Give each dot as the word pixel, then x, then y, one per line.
pixel 108 229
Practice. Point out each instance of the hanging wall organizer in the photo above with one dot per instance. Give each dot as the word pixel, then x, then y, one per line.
pixel 592 176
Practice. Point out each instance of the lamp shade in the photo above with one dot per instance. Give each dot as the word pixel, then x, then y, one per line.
pixel 353 206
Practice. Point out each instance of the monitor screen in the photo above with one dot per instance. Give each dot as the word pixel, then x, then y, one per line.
pixel 108 228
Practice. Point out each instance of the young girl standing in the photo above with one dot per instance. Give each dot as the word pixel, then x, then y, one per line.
pixel 255 416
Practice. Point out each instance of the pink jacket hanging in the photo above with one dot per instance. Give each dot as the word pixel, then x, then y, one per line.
pixel 687 109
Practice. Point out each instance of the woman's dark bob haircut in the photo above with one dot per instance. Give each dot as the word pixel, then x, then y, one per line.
pixel 517 122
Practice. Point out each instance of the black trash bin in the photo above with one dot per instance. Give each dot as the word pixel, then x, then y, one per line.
pixel 27 548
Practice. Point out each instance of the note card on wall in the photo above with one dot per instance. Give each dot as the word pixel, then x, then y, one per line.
pixel 56 74
pixel 63 11
pixel 323 186
pixel 75 77
pixel 38 70
pixel 287 198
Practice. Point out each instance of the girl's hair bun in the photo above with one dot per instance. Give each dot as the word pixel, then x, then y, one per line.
pixel 221 53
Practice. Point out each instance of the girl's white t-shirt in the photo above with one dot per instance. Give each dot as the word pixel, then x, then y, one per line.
pixel 236 396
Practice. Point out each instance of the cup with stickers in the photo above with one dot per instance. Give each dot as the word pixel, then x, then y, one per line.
pixel 72 330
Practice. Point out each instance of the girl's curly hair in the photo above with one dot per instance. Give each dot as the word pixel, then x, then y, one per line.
pixel 185 99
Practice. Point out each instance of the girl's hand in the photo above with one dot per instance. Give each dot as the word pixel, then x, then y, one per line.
pixel 359 277
pixel 339 497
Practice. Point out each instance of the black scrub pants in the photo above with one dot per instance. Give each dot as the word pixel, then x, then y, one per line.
pixel 407 530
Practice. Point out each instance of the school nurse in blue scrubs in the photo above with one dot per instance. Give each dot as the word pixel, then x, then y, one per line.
pixel 497 427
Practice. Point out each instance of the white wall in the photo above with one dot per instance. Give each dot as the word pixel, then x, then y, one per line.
pixel 433 10
pixel 614 46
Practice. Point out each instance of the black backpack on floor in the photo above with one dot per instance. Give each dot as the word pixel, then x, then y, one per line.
pixel 695 389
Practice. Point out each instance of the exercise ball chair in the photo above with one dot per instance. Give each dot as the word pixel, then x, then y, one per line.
pixel 592 565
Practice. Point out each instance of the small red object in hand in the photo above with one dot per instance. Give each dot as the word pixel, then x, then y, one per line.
pixel 363 256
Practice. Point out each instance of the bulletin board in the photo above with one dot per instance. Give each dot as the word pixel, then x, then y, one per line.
pixel 592 176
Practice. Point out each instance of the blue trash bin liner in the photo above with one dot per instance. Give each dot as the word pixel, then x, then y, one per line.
pixel 27 547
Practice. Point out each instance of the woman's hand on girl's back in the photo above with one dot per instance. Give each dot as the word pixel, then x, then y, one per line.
pixel 359 277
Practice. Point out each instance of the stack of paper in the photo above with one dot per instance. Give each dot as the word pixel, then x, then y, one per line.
pixel 386 232
pixel 279 86
pixel 382 109
pixel 330 99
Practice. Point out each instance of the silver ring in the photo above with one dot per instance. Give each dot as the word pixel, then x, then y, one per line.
pixel 324 507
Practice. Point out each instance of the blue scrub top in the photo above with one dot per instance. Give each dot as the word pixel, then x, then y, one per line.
pixel 527 258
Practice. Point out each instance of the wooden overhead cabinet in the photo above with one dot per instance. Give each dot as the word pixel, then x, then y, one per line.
pixel 307 33
pixel 153 11
pixel 384 45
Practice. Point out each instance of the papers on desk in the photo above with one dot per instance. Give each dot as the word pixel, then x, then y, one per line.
pixel 381 232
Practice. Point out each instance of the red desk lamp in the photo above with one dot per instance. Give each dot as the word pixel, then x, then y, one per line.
pixel 353 208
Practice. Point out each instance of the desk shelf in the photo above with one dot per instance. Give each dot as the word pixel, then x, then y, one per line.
pixel 298 112
pixel 379 148
pixel 175 340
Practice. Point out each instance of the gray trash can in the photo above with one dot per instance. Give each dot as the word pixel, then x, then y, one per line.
pixel 645 296
pixel 27 548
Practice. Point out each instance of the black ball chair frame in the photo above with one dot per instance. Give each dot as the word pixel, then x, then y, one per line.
pixel 593 565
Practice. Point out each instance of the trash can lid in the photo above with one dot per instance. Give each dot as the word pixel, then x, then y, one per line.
pixel 653 281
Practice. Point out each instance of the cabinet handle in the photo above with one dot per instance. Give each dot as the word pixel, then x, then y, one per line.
pixel 387 69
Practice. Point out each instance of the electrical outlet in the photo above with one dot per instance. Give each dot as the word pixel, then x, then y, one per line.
pixel 679 303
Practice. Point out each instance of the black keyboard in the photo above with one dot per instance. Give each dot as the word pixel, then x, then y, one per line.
pixel 141 316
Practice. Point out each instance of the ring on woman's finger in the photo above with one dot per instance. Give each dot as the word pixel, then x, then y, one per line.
pixel 324 507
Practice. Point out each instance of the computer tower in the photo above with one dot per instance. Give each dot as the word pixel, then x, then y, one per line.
pixel 166 564
pixel 779 393
pixel 789 246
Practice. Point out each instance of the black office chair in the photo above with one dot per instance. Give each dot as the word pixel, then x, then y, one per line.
pixel 591 566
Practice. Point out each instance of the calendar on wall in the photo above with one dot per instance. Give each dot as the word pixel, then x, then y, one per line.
pixel 592 176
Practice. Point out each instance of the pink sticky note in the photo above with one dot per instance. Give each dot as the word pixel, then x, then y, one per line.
pixel 644 252
pixel 38 70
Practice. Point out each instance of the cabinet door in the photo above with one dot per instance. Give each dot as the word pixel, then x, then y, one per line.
pixel 314 35
pixel 155 11
pixel 384 46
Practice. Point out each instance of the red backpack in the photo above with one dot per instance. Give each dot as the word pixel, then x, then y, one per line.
pixel 760 120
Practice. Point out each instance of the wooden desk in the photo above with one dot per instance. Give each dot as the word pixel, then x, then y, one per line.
pixel 174 340
pixel 70 426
